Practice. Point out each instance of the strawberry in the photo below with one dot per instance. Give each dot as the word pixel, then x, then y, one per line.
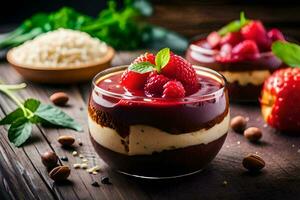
pixel 154 84
pixel 256 31
pixel 173 89
pixel 246 50
pixel 133 80
pixel 275 35
pixel 280 100
pixel 213 39
pixel 181 70
pixel 231 38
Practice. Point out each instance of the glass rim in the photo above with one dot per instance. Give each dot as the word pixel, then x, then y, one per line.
pixel 193 97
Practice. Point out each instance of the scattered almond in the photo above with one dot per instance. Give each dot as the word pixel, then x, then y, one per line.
pixel 59 98
pixel 253 134
pixel 66 140
pixel 60 173
pixel 253 163
pixel 238 124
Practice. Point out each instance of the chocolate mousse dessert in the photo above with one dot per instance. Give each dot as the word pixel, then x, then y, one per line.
pixel 241 51
pixel 159 117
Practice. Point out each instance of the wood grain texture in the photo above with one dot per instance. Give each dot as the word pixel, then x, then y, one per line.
pixel 22 175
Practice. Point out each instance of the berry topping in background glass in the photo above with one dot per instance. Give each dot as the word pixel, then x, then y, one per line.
pixel 241 51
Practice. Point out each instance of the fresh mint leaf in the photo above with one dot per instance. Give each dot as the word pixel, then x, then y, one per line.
pixel 32 104
pixel 19 131
pixel 289 53
pixel 56 116
pixel 142 67
pixel 13 116
pixel 162 58
pixel 235 25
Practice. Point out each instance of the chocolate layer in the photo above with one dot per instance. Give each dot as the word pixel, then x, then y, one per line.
pixel 162 164
pixel 172 118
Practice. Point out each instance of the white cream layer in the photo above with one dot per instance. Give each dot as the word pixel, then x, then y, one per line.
pixel 255 77
pixel 146 139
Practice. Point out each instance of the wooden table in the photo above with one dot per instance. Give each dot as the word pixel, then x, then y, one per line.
pixel 23 176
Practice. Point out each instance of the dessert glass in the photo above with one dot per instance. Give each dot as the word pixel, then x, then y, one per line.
pixel 245 78
pixel 155 137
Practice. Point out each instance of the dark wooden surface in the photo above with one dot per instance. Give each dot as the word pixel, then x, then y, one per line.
pixel 193 17
pixel 22 175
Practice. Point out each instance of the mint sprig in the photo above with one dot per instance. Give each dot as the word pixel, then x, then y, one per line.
pixel 235 25
pixel 162 58
pixel 32 112
pixel 288 52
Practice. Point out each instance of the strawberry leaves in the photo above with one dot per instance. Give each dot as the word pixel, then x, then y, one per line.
pixel 162 58
pixel 32 112
pixel 288 52
pixel 235 25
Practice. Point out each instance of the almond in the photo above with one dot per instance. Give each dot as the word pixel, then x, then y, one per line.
pixel 66 140
pixel 60 173
pixel 253 163
pixel 59 98
pixel 253 134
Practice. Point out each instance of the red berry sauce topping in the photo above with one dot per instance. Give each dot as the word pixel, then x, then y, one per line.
pixel 163 75
pixel 241 40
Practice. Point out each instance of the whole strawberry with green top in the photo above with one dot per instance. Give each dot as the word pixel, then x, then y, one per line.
pixel 281 91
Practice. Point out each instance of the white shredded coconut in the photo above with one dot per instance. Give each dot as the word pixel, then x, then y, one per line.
pixel 60 48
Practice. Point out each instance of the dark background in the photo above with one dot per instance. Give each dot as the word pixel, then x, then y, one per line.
pixel 188 17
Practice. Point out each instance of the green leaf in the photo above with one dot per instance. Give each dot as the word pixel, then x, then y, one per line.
pixel 56 116
pixel 32 104
pixel 235 25
pixel 142 67
pixel 162 58
pixel 19 131
pixel 289 53
pixel 13 116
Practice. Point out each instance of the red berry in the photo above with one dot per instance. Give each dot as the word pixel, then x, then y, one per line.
pixel 173 89
pixel 245 50
pixel 180 69
pixel 275 34
pixel 256 31
pixel 133 80
pixel 231 38
pixel 213 39
pixel 147 57
pixel 280 100
pixel 154 84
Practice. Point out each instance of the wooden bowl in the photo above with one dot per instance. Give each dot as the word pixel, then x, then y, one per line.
pixel 66 75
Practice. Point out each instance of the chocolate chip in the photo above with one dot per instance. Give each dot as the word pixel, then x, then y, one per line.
pixel 105 180
pixel 64 158
pixel 238 124
pixel 95 184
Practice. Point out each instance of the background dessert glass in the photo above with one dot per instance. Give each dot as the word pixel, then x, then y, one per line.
pixel 156 137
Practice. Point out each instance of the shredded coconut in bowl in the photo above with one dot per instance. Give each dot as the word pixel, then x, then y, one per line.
pixel 59 49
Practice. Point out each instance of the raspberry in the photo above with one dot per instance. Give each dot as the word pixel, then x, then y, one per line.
pixel 231 38
pixel 213 39
pixel 275 34
pixel 154 84
pixel 256 31
pixel 134 80
pixel 147 57
pixel 183 71
pixel 173 89
pixel 246 50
